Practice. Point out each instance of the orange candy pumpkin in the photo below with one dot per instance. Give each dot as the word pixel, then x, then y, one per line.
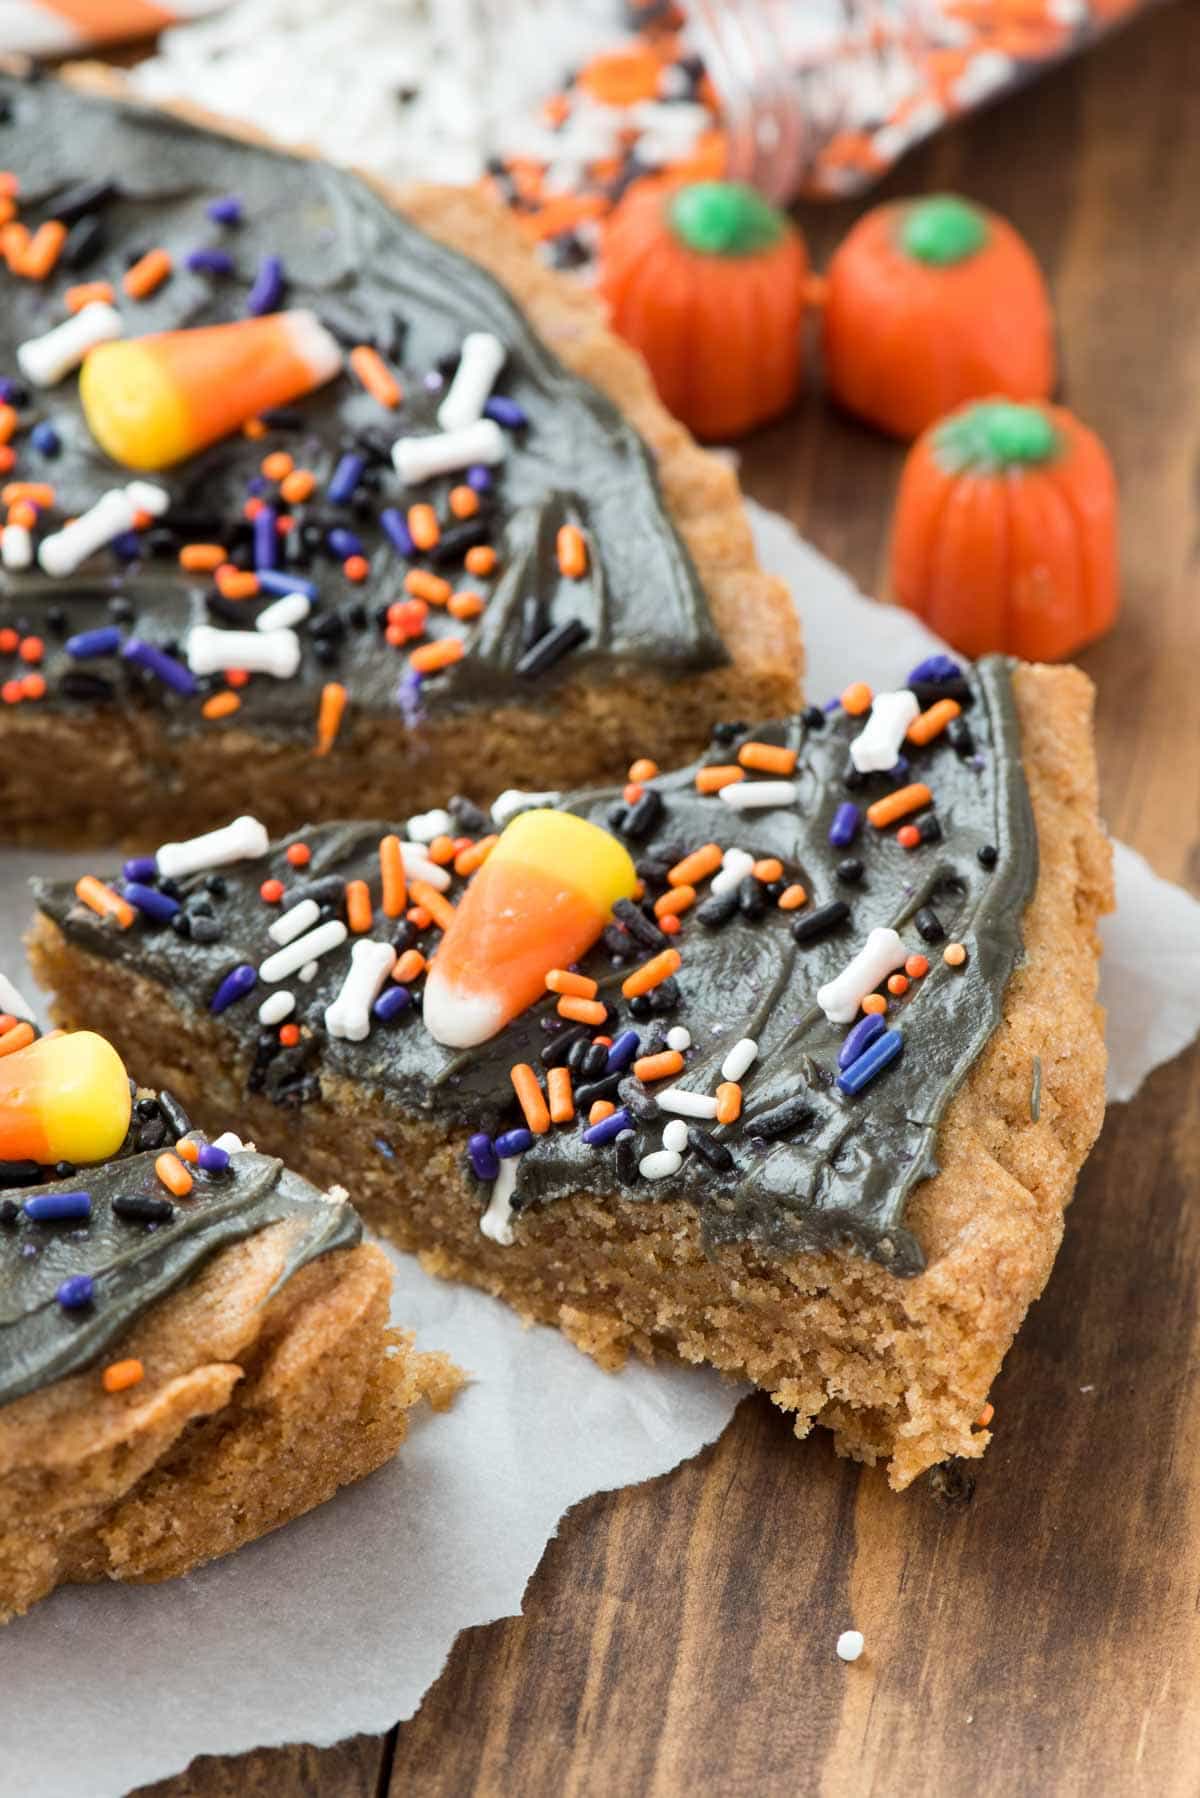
pixel 708 282
pixel 930 303
pixel 1005 532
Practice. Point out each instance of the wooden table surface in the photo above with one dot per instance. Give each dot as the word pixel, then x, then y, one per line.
pixel 1032 1625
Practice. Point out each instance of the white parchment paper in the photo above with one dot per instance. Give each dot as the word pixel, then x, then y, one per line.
pixel 340 1622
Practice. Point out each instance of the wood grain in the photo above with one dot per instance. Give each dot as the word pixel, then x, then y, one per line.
pixel 1031 1625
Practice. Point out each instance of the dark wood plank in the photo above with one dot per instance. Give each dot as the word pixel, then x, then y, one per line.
pixel 358 1768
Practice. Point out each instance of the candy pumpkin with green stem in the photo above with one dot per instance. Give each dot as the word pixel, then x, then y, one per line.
pixel 708 281
pixel 928 304
pixel 1005 532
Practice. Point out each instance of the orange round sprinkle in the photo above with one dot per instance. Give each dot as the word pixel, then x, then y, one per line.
pixel 908 836
pixel 409 965
pixel 86 293
pixel 985 1416
pixel 530 1097
pixel 632 792
pixel 173 1174
pixel 8 640
pixel 187 1149
pixel 10 692
pixel 874 1002
pixel 237 677
pixel 894 806
pixel 147 274
pixel 202 558
pixel 898 985
pixel 356 568
pixel 298 486
pixel 33 686
pixel 359 910
pixel 729 1102
pixel 652 973
pixel 440 850
pixel 768 870
pixel 430 587
pixel 561 1096
pixel 469 859
pixel 582 1011
pixel 857 698
pixel 599 1110
pixel 571 545
pixel 418 917
pixel 298 855
pixel 330 712
pixel 464 501
pixel 670 925
pixel 236 583
pixel 915 966
pixel 660 1066
pixel 643 769
pixel 695 867
pixel 375 375
pixel 289 1035
pixel 119 1376
pixel 480 560
pixel 220 705
pixel 577 986
pixel 954 955
pixel 767 758
pixel 277 465
pixel 933 722
pixel 716 776
pixel 423 526
pixel 254 428
pixel 465 605
pixel 431 657
pixel 674 901
pixel 271 891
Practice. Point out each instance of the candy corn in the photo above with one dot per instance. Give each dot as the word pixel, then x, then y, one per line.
pixel 151 401
pixel 64 1098
pixel 539 902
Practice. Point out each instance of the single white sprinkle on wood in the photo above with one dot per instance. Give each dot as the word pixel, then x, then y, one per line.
pixel 850 1644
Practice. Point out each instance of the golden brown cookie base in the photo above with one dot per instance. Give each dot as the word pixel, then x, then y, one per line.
pixel 899 1369
pixel 253 1409
pixel 108 774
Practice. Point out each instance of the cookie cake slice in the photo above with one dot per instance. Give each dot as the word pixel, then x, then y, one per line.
pixel 194 1343
pixel 786 1061
pixel 316 495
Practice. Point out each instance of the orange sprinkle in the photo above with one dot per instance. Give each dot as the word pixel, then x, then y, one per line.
pixel 582 1011
pixel 298 855
pixel 187 1150
pixel 39 493
pixel 23 512
pixel 623 76
pixel 429 587
pixel 674 901
pixel 147 274
pixel 857 698
pixel 441 850
pixel 409 966
pixel 359 910
pixel 8 458
pixel 119 1376
pixel 669 925
pixel 33 686
pixel 660 1066
pixel 430 657
pixel 8 209
pixel 530 1097
pixel 697 866
pixel 468 860
pixel 464 502
pixel 600 1109
pixel 254 428
pixel 7 1021
pixel 103 901
pixel 562 1098
pixel 19 1037
pixel 908 836
pixel 220 705
pixel 874 1002
pixel 289 1035
pixel 423 526
pixel 897 805
pixel 201 558
pixel 480 560
pixel 898 985
pixel 252 507
pixel 632 792
pixel 465 605
pixel 173 1174
pixel 985 1416
pixel 375 375
pixel 729 1102
pixel 277 465
pixel 356 568
pixel 643 769
pixel 576 986
pixel 237 677
pixel 652 973
pixel 271 892
pixel 435 903
pixel 10 184
pixel 768 870
pixel 915 966
pixel 767 758
pixel 44 249
pixel 236 583
pixel 954 955
pixel 395 881
pixel 933 722
pixel 571 545
pixel 418 917
pixel 716 776
pixel 86 293
pixel 14 241
pixel 330 713
pixel 298 486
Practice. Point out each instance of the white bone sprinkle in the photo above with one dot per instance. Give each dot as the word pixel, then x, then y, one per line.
pixel 240 841
pixel 62 552
pixel 480 361
pixel 735 865
pixel 881 954
pixel 876 748
pixel 45 360
pixel 496 1222
pixel 211 651
pixel 420 458
pixel 349 1016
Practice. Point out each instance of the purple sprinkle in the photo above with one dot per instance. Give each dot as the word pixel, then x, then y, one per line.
pixel 481 1152
pixel 267 290
pixel 621 1054
pixel 860 1037
pixel 935 668
pixel 257 484
pixel 76 1292
pixel 168 670
pixel 58 1207
pixel 392 1003
pixel 900 770
pixel 396 527
pixel 149 900
pixel 127 547
pixel 212 1159
pixel 860 1073
pixel 608 1127
pixel 225 211
pixel 832 705
pixel 433 382
pixel 278 580
pixel 45 439
pixel 343 542
pixel 209 262
pixel 513 1142
pixel 847 821
pixel 345 478
pixel 104 641
pixel 506 412
pixel 266 539
pixel 479 476
pixel 8 387
pixel 141 867
pixel 236 984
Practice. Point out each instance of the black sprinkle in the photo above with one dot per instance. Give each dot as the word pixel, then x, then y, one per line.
pixel 559 1048
pixel 717 911
pixel 551 648
pixel 709 1149
pixel 329 891
pixel 781 1120
pixel 643 929
pixel 577 1052
pixel 453 544
pixel 88 197
pixel 960 737
pixel 91 689
pixel 84 242
pixel 152 1135
pixel 135 1209
pixel 850 870
pixel 587 1094
pixel 929 924
pixel 627 1158
pixel 820 922
pixel 642 818
pixel 19 1173
pixel 636 1100
pixel 751 897
pixel 928 828
pixel 813 717
pixel 535 620
pixel 927 693
pixel 9 1212
pixel 988 855
pixel 666 996
pixel 177 1118
pixel 471 820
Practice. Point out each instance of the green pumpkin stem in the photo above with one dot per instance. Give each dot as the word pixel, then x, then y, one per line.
pixel 943 230
pixel 724 218
pixel 993 436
